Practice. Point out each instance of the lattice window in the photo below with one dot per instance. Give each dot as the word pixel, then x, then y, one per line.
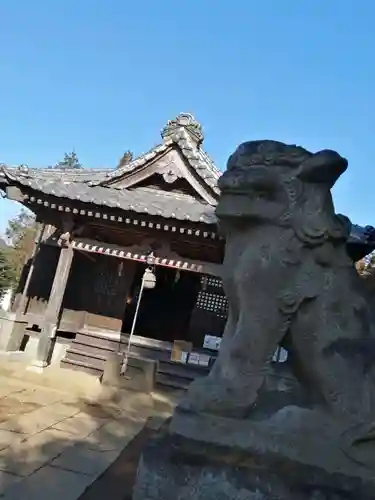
pixel 213 302
pixel 211 282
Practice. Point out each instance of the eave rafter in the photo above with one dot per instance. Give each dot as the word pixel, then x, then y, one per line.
pixel 137 220
pixel 168 259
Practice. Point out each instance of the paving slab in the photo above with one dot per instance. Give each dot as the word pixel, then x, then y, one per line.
pixel 49 483
pixel 29 455
pixel 10 384
pixel 114 435
pixel 80 424
pixel 6 390
pixel 7 480
pixel 11 406
pixel 117 481
pixel 10 438
pixel 64 410
pixel 40 396
pixel 83 460
pixel 35 421
pixel 58 434
pixel 156 422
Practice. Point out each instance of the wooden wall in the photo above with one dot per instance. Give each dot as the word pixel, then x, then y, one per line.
pixel 75 297
pixel 97 290
pixel 41 282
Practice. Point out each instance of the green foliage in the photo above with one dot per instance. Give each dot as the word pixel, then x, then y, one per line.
pixel 6 271
pixel 18 226
pixel 21 232
pixel 70 162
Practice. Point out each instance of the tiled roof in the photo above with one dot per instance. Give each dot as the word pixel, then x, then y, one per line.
pixel 95 186
pixel 77 185
pixel 141 200
pixel 195 156
pixel 84 175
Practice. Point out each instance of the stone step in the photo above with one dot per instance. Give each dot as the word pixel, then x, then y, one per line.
pixel 82 366
pixel 73 353
pixel 89 351
pixel 183 371
pixel 168 381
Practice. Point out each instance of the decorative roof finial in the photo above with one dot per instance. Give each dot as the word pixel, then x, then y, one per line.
pixel 23 168
pixel 187 122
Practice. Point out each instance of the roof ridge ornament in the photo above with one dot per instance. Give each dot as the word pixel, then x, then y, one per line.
pixel 24 169
pixel 187 122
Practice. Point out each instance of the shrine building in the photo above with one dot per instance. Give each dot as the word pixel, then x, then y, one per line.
pixel 98 232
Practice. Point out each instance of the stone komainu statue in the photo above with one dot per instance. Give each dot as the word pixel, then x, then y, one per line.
pixel 289 281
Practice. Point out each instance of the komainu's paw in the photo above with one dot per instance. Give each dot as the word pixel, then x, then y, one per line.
pixel 359 444
pixel 207 396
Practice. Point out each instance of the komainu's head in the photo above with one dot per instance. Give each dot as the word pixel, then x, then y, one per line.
pixel 268 182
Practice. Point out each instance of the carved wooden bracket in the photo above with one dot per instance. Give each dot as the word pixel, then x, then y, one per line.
pixel 170 176
pixel 67 232
pixel 64 239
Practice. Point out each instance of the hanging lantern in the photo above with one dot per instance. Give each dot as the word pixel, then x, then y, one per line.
pixel 149 279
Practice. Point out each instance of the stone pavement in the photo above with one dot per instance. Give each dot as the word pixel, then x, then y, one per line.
pixel 118 480
pixel 58 434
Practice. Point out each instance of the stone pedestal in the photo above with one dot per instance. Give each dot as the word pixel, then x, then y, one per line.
pixel 246 432
pixel 294 453
pixel 12 331
pixel 139 374
pixel 112 369
pixel 177 468
pixel 44 349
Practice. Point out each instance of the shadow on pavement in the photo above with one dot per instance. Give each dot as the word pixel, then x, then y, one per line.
pixel 118 480
pixel 56 443
pixel 64 459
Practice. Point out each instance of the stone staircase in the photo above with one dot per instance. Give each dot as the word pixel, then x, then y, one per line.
pixel 89 350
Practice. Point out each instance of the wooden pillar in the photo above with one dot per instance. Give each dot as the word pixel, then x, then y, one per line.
pixel 21 307
pixel 18 331
pixel 52 314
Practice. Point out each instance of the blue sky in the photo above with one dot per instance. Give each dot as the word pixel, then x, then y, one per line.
pixel 104 76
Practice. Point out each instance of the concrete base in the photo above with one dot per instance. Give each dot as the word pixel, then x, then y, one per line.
pixel 13 355
pixel 174 467
pixel 35 369
pixel 139 375
pixel 59 352
pixel 31 348
pixel 12 331
pixel 37 366
pixel 6 327
pixel 112 369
